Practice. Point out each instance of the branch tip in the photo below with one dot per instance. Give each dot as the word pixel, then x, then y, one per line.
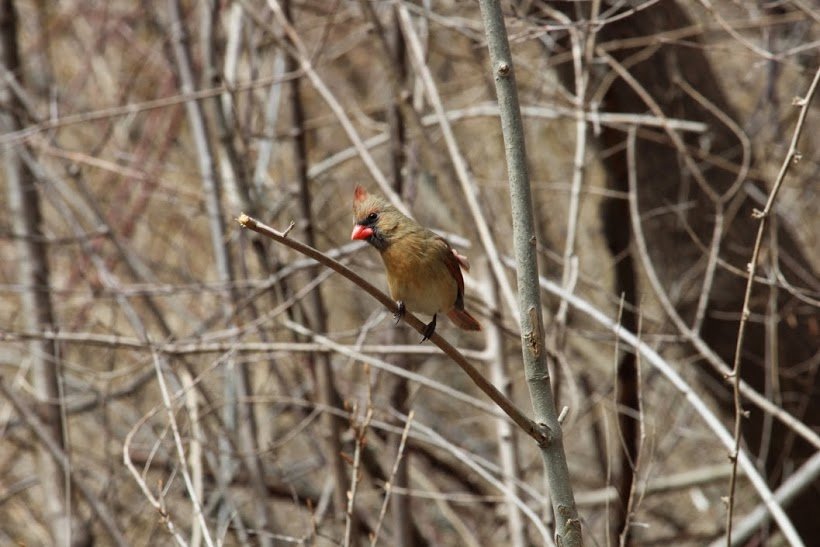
pixel 562 416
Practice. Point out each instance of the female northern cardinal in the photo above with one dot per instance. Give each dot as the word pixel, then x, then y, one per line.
pixel 423 271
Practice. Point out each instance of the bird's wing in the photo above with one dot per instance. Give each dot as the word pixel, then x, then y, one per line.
pixel 454 263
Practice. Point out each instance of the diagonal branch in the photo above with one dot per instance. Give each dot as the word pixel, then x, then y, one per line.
pixel 530 427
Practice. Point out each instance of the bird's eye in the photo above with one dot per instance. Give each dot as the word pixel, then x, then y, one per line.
pixel 372 217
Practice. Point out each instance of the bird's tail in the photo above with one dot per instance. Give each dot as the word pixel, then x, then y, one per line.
pixel 463 319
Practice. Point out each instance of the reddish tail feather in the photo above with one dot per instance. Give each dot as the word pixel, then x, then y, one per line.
pixel 463 319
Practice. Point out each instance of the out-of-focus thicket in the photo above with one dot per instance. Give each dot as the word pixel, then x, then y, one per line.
pixel 170 378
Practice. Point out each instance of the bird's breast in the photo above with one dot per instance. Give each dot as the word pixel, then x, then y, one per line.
pixel 420 280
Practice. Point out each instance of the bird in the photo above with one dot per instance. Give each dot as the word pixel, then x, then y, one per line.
pixel 423 271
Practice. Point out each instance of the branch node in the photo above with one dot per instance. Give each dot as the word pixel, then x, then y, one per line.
pixel 542 434
pixel 503 69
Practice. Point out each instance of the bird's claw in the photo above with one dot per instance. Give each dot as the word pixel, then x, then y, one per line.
pixel 429 330
pixel 400 312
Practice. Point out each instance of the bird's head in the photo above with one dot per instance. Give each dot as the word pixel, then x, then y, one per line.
pixel 377 222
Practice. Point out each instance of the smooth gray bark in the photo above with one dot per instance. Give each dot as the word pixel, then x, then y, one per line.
pixel 568 527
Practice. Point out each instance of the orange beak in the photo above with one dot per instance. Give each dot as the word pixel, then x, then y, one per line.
pixel 361 232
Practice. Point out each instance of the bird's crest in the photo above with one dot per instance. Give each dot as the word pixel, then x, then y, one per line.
pixel 359 194
pixel 365 203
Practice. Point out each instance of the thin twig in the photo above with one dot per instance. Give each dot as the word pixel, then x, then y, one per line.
pixel 183 461
pixel 211 180
pixel 740 178
pixel 800 480
pixel 355 474
pixel 539 525
pixel 459 163
pixel 580 57
pixel 305 63
pixel 791 155
pixel 507 441
pixel 361 356
pixel 676 139
pixel 700 407
pixel 677 481
pixel 631 503
pixel 61 460
pixel 138 477
pixel 702 347
pixel 325 377
pixel 16 137
pixel 388 487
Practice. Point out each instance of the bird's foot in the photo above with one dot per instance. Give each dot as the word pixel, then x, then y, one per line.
pixel 400 312
pixel 429 330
